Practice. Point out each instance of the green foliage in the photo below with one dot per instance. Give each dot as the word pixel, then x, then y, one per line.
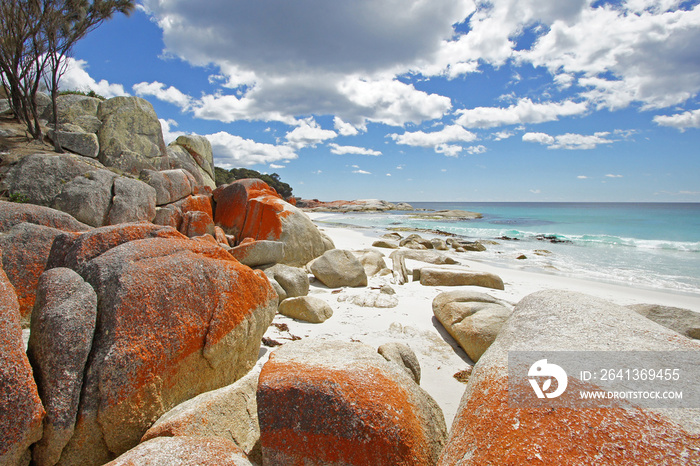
pixel 18 197
pixel 90 93
pixel 229 176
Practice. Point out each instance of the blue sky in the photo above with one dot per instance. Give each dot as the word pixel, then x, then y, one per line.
pixel 422 100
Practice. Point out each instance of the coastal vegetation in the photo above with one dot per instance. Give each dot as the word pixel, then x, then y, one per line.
pixel 224 176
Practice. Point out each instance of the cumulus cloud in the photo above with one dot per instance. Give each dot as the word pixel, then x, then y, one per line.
pixel 568 141
pixel 362 172
pixel 308 133
pixel 613 176
pixel 76 78
pixel 525 111
pixel 234 151
pixel 449 150
pixel 680 121
pixel 452 133
pixel 341 150
pixel 158 90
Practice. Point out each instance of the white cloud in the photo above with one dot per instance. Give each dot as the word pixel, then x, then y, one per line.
pixel 362 172
pixel 308 133
pixel 474 150
pixel 524 112
pixel 234 151
pixel 276 167
pixel 568 141
pixel 681 121
pixel 536 191
pixel 340 150
pixel 169 135
pixel 452 133
pixel 613 176
pixel 582 177
pixel 171 95
pixel 76 78
pixel 345 129
pixel 501 135
pixel 448 150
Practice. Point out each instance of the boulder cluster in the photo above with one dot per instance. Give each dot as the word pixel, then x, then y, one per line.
pixel 134 296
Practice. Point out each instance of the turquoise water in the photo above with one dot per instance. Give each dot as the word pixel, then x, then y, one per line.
pixel 652 245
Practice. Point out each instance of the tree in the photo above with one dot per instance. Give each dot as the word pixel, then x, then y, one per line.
pixel 67 22
pixel 36 39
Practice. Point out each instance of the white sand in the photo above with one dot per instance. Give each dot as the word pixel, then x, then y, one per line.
pixel 412 321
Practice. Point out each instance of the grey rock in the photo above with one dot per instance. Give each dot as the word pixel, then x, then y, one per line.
pixel 87 198
pixel 170 185
pixel 459 277
pixel 371 260
pixel 134 201
pixel 178 157
pixel 411 241
pixel 169 215
pixel 199 148
pixel 306 308
pixel 439 244
pixel 179 451
pixel 386 243
pixel 403 356
pixel 78 110
pixel 66 306
pixel 293 280
pixel 399 257
pixel 337 268
pixel 259 253
pixel 131 138
pixel 85 144
pixel 41 176
pixel 12 213
pixel 683 321
pixel 472 319
pixel 229 413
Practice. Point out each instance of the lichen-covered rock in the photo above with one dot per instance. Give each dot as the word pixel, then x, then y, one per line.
pixel 229 413
pixel 73 251
pixel 85 144
pixel 197 223
pixel 79 110
pixel 170 185
pixel 459 277
pixel 178 157
pixel 41 176
pixel 250 208
pixel 306 308
pixel 26 249
pixel 257 253
pixel 195 203
pixel 337 268
pixel 133 201
pixel 472 319
pixel 63 324
pixel 178 451
pixel 131 138
pixel 88 198
pixel 342 403
pixel 20 407
pixel 12 213
pixel 168 215
pixel 490 430
pixel 200 149
pixel 176 318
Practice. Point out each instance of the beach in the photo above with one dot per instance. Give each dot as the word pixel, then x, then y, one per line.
pixel 412 321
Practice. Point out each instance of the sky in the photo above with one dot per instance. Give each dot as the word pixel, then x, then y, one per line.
pixel 422 100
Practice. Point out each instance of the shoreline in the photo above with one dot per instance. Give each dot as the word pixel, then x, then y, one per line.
pixel 412 321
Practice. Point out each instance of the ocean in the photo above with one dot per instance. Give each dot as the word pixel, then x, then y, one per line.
pixel 648 245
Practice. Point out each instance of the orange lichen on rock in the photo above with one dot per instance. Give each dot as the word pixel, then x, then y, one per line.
pixel 355 415
pixel 232 203
pixel 197 203
pixel 264 218
pixel 488 431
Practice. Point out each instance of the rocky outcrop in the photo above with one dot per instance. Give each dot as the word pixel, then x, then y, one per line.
pixel 12 213
pixel 351 407
pixel 255 253
pixel 337 268
pixel 398 259
pixel 170 185
pixel 21 408
pixel 386 243
pixel 229 413
pixel 459 277
pixel 359 205
pixel 130 136
pixel 251 209
pixel 306 308
pixel 490 430
pixel 472 319
pixel 88 198
pixel 85 144
pixel 177 451
pixel 199 150
pixel 26 249
pixel 371 260
pixel 175 318
pixel 402 355
pixel 683 321
pixel 63 325
pixel 77 110
pixel 448 214
pixel 133 201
